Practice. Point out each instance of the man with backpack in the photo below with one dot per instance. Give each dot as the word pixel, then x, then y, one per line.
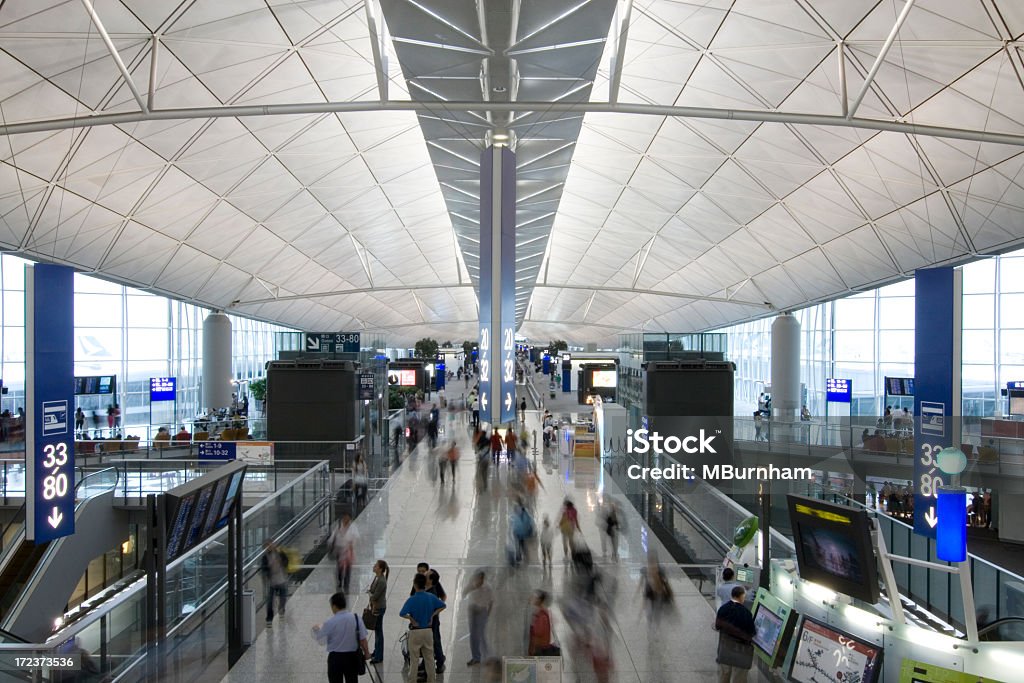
pixel 522 530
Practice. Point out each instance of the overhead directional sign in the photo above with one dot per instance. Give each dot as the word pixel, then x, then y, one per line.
pixel 497 285
pixel 162 389
pixel 366 386
pixel 332 342
pixel 838 390
pixel 50 400
pixel 936 384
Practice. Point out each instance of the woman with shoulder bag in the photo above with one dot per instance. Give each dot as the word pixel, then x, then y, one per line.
pixel 373 616
pixel 344 634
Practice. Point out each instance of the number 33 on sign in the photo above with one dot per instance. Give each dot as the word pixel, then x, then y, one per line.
pixel 929 482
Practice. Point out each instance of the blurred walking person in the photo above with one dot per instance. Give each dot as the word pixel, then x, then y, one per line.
pixel 343 547
pixel 547 535
pixel 453 459
pixel 511 443
pixel 496 442
pixel 479 601
pixel 274 568
pixel 568 524
pixel 610 529
pixel 657 592
pixel 541 642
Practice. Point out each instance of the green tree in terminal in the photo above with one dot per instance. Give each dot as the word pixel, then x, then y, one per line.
pixel 425 348
pixel 446 345
pixel 557 345
pixel 258 389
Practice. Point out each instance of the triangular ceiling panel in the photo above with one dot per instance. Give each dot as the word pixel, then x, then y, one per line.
pixel 308 201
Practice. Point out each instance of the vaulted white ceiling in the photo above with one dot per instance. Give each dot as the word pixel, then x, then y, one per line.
pixel 344 220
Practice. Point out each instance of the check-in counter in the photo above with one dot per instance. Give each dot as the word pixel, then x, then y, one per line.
pixel 999 428
pixel 586 442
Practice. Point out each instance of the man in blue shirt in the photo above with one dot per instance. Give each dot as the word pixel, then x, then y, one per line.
pixel 420 609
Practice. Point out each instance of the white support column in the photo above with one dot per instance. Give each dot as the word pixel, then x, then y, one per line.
pixel 216 361
pixel 843 95
pixel 967 594
pixel 880 58
pixel 785 365
pixel 619 56
pixel 153 49
pixel 117 57
pixel 888 577
pixel 378 46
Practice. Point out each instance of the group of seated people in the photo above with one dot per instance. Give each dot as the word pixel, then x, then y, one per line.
pixel 237 431
pixel 898 500
pixel 896 423
pixel 84 444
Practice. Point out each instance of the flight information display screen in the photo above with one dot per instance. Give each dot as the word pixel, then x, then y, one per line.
pixel 198 519
pixel 179 527
pixel 899 386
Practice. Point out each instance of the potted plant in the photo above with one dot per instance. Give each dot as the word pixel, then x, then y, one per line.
pixel 258 391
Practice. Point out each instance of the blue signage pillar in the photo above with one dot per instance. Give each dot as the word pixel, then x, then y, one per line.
pixel 497 285
pixel 937 363
pixel 49 402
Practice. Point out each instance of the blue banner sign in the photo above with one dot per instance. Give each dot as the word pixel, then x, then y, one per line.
pixel 934 301
pixel 497 285
pixel 217 450
pixel 50 400
pixel 162 389
pixel 486 296
pixel 508 285
pixel 838 390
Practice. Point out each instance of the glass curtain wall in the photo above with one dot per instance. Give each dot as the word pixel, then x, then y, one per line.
pixel 132 335
pixel 868 336
pixel 863 338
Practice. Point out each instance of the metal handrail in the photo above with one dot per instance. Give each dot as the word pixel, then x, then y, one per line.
pixel 995 625
pixel 97 473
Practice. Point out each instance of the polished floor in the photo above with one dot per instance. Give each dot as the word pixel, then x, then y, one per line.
pixel 461 528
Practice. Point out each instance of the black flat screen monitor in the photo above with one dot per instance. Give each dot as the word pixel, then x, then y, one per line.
pixel 229 499
pixel 97 384
pixel 824 654
pixel 179 526
pixel 195 533
pixel 833 547
pixel 215 505
pixel 899 386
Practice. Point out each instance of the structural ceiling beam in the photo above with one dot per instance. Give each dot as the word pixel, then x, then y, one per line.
pixel 756 115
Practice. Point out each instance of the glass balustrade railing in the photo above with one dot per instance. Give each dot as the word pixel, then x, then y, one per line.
pixel 113 636
pixel 998 593
pixel 151 472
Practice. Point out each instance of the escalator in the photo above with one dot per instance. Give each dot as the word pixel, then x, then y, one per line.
pixel 28 610
pixel 1007 629
pixel 17 565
